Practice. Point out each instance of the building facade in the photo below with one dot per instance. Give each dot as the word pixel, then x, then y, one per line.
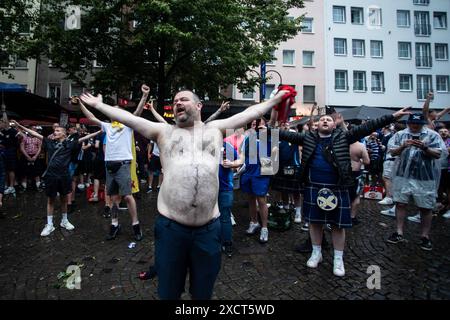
pixel 387 53
pixel 379 53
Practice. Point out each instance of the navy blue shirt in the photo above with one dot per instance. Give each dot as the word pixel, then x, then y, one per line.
pixel 320 170
pixel 226 174
pixel 289 155
pixel 252 160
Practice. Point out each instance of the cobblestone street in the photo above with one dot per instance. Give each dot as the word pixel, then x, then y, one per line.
pixel 30 264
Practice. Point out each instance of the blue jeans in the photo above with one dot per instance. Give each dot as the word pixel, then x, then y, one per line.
pixel 179 248
pixel 225 204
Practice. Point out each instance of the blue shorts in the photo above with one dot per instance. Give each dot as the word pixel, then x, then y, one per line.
pixel 180 248
pixel 255 185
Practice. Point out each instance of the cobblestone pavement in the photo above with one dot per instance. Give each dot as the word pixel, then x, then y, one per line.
pixel 30 264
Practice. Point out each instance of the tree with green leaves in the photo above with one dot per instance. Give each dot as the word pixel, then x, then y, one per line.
pixel 16 19
pixel 168 44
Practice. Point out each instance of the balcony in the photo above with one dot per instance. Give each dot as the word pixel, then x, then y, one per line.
pixel 422 29
pixel 424 62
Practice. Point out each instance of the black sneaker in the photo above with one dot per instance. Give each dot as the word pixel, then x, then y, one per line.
pixel 113 232
pixel 395 238
pixel 107 212
pixel 227 248
pixel 425 244
pixel 149 189
pixel 137 232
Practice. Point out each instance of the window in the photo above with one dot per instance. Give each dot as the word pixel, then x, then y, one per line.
pixel 422 2
pixel 20 63
pixel 378 82
pixel 423 55
pixel 442 83
pixel 340 46
pixel 54 92
pixel 359 81
pixel 424 85
pixel 422 25
pixel 338 14
pixel 359 48
pixel 376 49
pixel 403 18
pixel 309 94
pixel 269 89
pixel 340 80
pixel 441 51
pixel 272 60
pixel 404 50
pixel 406 82
pixel 307 25
pixel 440 20
pixel 375 17
pixel 308 58
pixel 357 15
pixel 288 57
pixel 248 95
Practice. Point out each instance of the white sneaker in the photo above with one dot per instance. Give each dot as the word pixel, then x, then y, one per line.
pixel 233 222
pixel 49 228
pixel 298 217
pixel 415 218
pixel 314 260
pixel 386 201
pixel 389 212
pixel 67 225
pixel 446 215
pixel 264 235
pixel 338 267
pixel 305 226
pixel 252 228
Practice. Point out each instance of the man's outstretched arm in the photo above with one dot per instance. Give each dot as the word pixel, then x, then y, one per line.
pixel 251 113
pixel 89 115
pixel 222 108
pixel 155 113
pixel 442 113
pixel 145 91
pixel 33 133
pixel 148 129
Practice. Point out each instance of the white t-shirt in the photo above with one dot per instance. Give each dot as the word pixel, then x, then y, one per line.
pixel 155 150
pixel 118 142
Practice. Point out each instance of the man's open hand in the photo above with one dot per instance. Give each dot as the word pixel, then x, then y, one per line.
pixel 90 100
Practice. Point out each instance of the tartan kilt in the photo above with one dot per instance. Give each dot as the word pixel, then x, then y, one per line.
pixel 287 183
pixel 340 217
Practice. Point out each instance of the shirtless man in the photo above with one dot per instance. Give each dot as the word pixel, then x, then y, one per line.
pixel 187 230
pixel 358 156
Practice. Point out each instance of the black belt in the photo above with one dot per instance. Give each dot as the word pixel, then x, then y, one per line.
pixel 121 162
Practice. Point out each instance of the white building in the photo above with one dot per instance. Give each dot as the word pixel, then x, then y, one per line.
pixel 379 53
pixel 387 53
pixel 299 61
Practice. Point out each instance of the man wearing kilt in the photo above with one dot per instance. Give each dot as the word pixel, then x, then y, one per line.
pixel 327 174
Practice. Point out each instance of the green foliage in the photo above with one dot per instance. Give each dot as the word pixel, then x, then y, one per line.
pixel 200 44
